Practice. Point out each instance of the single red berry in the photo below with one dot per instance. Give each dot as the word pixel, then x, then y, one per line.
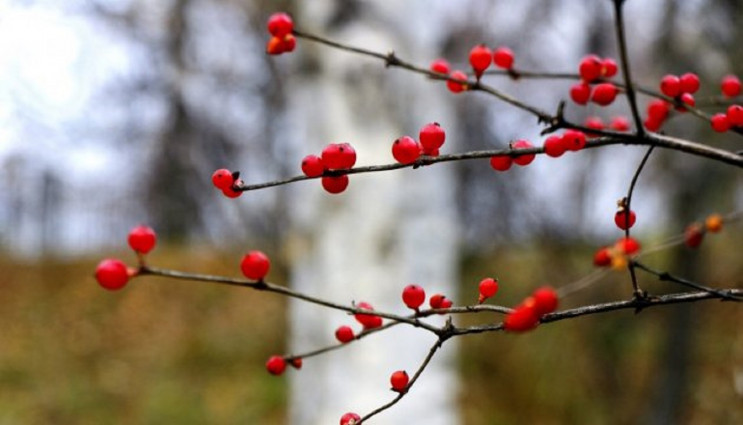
pixel 454 86
pixel 652 124
pixel 628 245
pixel 688 100
pixel 275 46
pixel 369 321
pixel 730 86
pixel 296 363
pixel 624 220
pixel 593 123
pixel 480 59
pixel 670 85
pixel 222 179
pixel 602 257
pixel 436 300
pixel 619 124
pixel 523 159
pixel 399 381
pixel 720 123
pixel 142 239
pixel 608 68
pixel 446 303
pixel 554 146
pixel 580 93
pixel 501 162
pixel 276 365
pixel 232 193
pixel 441 66
pixel 338 156
pixel 590 68
pixel 373 323
pixel 545 300
pixel 432 137
pixel 344 334
pixel 288 43
pixel 693 235
pixel 312 166
pixel 350 419
pixel 255 265
pixel 658 110
pixel 735 115
pixel 335 184
pixel 503 57
pixel 522 318
pixel 488 287
pixel 432 152
pixel 604 94
pixel 111 274
pixel 413 296
pixel 280 24
pixel 689 83
pixel 574 140
pixel 406 150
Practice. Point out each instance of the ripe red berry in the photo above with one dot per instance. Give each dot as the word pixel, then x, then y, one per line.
pixel 413 296
pixel 545 300
pixel 338 156
pixel 503 57
pixel 628 246
pixel 275 46
pixel 255 265
pixel 593 123
pixel 523 159
pixel 436 300
pixel 693 235
pixel 522 318
pixel 312 166
pixel 480 59
pixel 624 220
pixel 735 115
pixel 350 419
pixel 111 274
pixel 344 334
pixel 688 100
pixel 454 86
pixel 142 239
pixel 399 381
pixel 446 303
pixel 602 257
pixel 590 68
pixel 432 137
pixel 658 110
pixel 608 68
pixel 276 365
pixel 222 179
pixel 730 86
pixel 580 93
pixel 231 192
pixel 670 85
pixel 441 66
pixel 619 124
pixel 574 140
pixel 501 162
pixel 689 83
pixel 369 321
pixel 280 24
pixel 554 146
pixel 296 363
pixel 488 287
pixel 720 123
pixel 406 150
pixel 604 94
pixel 335 184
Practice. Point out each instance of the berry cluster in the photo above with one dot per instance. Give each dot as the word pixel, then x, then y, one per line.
pixel 112 273
pixel 335 156
pixel 527 314
pixel 280 26
pixel 228 182
pixel 407 150
pixel 694 233
pixel 591 69
pixel 617 256
pixel 480 58
pixel 733 117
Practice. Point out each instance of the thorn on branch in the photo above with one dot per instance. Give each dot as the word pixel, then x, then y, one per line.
pixel 391 60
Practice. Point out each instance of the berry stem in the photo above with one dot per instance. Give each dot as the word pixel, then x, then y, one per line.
pixel 624 61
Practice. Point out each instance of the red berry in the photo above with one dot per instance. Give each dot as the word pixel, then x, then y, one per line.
pixel 628 246
pixel 350 419
pixel 399 381
pixel 608 68
pixel 255 265
pixel 604 94
pixel 406 150
pixel 501 162
pixel 111 274
pixel 480 58
pixel 720 123
pixel 432 137
pixel 503 57
pixel 369 321
pixel 335 184
pixel 623 220
pixel 593 123
pixel 670 85
pixel 436 300
pixel 433 152
pixel 441 66
pixel 545 300
pixel 735 115
pixel 522 318
pixel 344 334
pixel 619 124
pixel 280 24
pixel 488 287
pixel 590 68
pixel 689 83
pixel 580 93
pixel 658 110
pixel 231 192
pixel 276 365
pixel 574 140
pixel 688 100
pixel 602 257
pixel 413 296
pixel 693 235
pixel 142 239
pixel 296 363
pixel 554 146
pixel 730 86
pixel 652 125
pixel 338 156
pixel 312 166
pixel 222 179
pixel 523 159
pixel 275 46
pixel 446 303
pixel 454 86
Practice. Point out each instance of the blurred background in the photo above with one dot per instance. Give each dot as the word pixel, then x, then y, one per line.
pixel 116 112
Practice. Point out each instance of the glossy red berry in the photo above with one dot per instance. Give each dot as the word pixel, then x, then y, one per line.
pixel 670 85
pixel 436 300
pixel 720 123
pixel 625 220
pixel 255 265
pixel 231 192
pixel 602 257
pixel 276 365
pixel 338 156
pixel 619 124
pixel 590 68
pixel 580 93
pixel 446 303
pixel 369 321
pixel 689 83
pixel 501 162
pixel 554 146
pixel 399 381
pixel 335 184
pixel 413 296
pixel 456 87
pixel 523 318
pixel 628 245
pixel 608 68
pixel 545 300
pixel 604 94
pixel 441 66
pixel 593 123
pixel 222 179
pixel 406 150
pixel 735 115
pixel 503 58
pixel 350 419
pixel 111 274
pixel 730 86
pixel 574 140
pixel 431 137
pixel 312 166
pixel 688 100
pixel 142 239
pixel 488 287
pixel 480 58
pixel 280 24
pixel 693 235
pixel 523 159
pixel 275 46
pixel 344 334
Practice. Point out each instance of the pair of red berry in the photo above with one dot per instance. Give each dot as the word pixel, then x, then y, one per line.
pixel 694 233
pixel 504 162
pixel 616 255
pixel 572 140
pixel 344 334
pixel 228 182
pixel 526 315
pixel 481 57
pixel 276 365
pixel 335 156
pixel 733 117
pixel 441 66
pixel 280 26
pixel 407 150
pixel 113 274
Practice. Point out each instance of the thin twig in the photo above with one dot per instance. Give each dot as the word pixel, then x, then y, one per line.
pixel 668 277
pixel 624 62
